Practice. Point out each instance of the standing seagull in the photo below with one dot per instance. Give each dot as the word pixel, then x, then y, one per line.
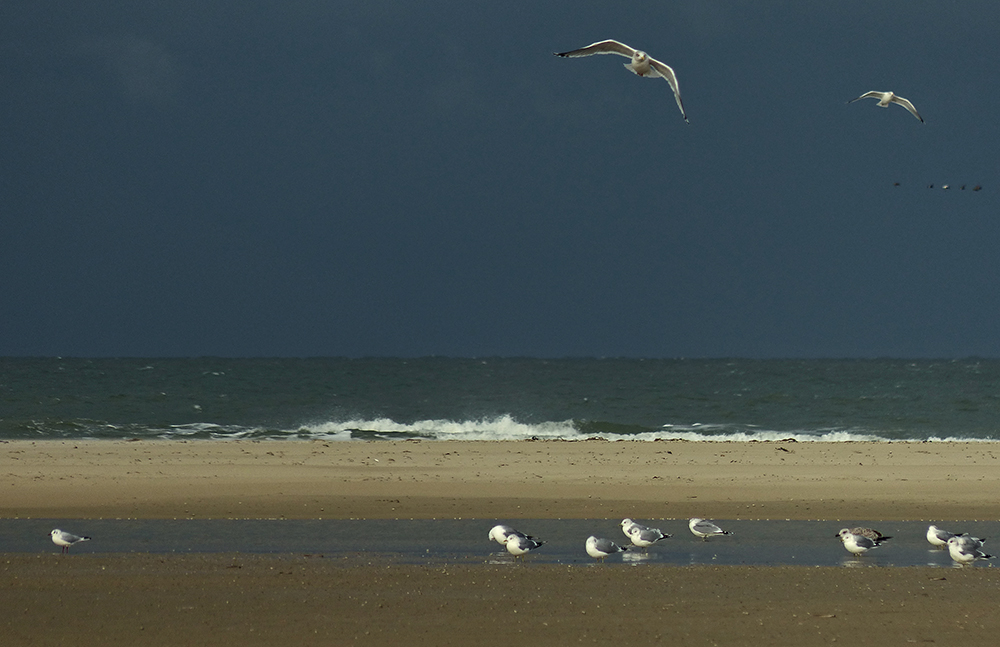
pixel 65 539
pixel 646 537
pixel 939 537
pixel 499 533
pixel 965 553
pixel 600 548
pixel 519 545
pixel 705 529
pixel 885 98
pixel 857 545
pixel 641 64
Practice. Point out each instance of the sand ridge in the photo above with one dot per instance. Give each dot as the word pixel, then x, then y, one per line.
pixel 498 479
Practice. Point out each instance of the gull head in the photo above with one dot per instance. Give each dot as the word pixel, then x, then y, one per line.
pixel 640 64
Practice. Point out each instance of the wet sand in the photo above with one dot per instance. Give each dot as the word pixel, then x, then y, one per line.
pixel 296 599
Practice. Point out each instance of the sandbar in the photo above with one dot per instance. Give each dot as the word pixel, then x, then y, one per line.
pixel 498 479
pixel 239 599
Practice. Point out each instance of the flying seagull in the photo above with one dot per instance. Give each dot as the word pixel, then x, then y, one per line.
pixel 885 98
pixel 641 64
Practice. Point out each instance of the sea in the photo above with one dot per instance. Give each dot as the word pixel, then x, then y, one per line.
pixel 483 399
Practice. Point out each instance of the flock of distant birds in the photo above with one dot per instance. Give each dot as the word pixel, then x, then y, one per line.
pixel 519 544
pixel 948 186
pixel 963 548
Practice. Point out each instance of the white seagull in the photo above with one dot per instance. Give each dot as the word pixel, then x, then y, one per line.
pixel 938 537
pixel 963 553
pixel 857 545
pixel 499 533
pixel 646 537
pixel 641 64
pixel 600 548
pixel 967 541
pixel 885 98
pixel 65 539
pixel 518 545
pixel 705 529
pixel 628 525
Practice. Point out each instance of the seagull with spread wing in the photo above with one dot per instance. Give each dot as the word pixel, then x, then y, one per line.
pixel 885 98
pixel 641 64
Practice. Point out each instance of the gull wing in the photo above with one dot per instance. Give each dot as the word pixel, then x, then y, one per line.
pixel 601 47
pixel 875 94
pixel 667 72
pixel 606 546
pixel 706 526
pixel 909 106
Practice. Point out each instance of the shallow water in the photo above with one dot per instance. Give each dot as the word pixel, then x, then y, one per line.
pixel 753 543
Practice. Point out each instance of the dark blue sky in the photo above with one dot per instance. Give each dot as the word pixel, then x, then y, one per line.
pixel 382 178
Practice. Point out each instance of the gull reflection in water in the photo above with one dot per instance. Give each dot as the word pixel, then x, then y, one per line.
pixel 635 556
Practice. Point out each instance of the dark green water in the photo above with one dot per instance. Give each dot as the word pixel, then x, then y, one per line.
pixel 491 399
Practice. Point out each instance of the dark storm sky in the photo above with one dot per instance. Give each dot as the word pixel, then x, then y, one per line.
pixel 386 178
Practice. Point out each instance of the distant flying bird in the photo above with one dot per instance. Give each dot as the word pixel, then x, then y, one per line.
pixel 65 539
pixel 641 64
pixel 885 98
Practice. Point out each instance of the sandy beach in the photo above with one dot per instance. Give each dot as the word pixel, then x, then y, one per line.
pixel 540 479
pixel 294 599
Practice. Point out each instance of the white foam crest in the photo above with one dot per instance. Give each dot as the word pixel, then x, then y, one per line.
pixel 499 428
pixel 507 428
pixel 833 436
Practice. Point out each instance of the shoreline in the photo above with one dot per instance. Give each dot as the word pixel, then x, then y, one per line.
pixel 308 599
pixel 310 479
